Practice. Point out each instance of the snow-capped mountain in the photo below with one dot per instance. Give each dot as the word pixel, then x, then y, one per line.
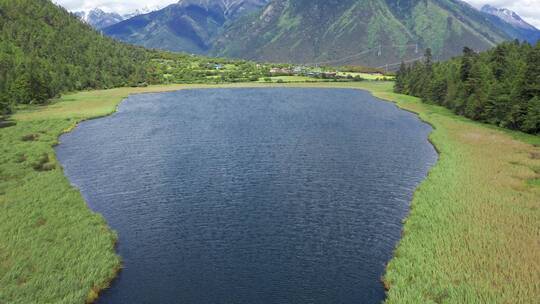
pixel 142 11
pixel 507 16
pixel 100 19
pixel 511 23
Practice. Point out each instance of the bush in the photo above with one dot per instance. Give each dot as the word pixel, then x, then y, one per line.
pixel 30 137
pixel 44 164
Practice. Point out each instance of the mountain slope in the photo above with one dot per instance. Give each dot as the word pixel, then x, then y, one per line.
pixel 373 32
pixel 512 24
pixel 44 50
pixel 189 25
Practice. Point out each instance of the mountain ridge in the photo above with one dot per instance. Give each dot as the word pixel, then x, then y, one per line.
pixel 100 19
pixel 512 24
pixel 366 32
pixel 188 25
pixel 389 31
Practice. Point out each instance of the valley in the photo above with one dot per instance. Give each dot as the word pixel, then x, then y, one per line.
pixel 314 151
pixel 432 230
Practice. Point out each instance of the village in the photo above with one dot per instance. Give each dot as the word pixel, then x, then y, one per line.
pixel 351 73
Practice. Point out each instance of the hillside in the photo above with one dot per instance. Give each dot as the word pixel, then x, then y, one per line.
pixel 188 26
pixel 44 50
pixel 374 32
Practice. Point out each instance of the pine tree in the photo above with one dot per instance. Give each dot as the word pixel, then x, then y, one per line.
pixel 501 86
pixel 399 86
pixel 531 87
pixel 498 62
pixel 531 122
pixel 466 63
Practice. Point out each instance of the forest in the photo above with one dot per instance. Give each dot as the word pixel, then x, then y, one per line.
pixel 46 51
pixel 500 86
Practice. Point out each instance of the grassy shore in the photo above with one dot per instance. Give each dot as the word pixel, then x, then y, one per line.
pixel 472 235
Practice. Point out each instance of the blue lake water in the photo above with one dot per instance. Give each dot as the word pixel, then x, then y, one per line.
pixel 251 195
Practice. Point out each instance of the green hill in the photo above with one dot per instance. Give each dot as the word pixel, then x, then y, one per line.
pixel 370 32
pixel 44 50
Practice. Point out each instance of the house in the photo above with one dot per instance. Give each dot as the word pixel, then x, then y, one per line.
pixel 281 71
pixel 298 69
pixel 329 75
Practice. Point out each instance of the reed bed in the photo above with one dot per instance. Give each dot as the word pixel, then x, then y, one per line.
pixel 472 235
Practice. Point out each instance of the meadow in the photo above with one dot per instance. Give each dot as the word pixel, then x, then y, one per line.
pixel 366 76
pixel 471 236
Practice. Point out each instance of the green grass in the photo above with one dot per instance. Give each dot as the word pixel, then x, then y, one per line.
pixel 473 230
pixel 471 236
pixel 366 76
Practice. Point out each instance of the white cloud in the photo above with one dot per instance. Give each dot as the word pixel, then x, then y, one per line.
pixel 527 9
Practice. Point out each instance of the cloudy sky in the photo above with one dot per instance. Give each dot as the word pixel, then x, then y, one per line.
pixel 528 9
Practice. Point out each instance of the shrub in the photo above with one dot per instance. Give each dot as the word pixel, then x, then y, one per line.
pixel 30 137
pixel 44 164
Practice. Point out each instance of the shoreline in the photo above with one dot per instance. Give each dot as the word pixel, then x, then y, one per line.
pixel 397 269
pixel 312 85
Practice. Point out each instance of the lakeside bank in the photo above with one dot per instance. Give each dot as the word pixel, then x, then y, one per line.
pixel 471 235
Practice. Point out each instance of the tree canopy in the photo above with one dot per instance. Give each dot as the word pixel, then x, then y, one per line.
pixel 500 86
pixel 45 50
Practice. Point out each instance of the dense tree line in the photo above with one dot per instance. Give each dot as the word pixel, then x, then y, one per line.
pixel 44 50
pixel 500 86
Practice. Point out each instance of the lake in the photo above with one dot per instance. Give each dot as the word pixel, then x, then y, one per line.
pixel 277 195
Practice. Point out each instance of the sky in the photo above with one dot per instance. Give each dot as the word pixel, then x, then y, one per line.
pixel 527 9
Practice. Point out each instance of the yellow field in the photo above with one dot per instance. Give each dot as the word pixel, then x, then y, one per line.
pixel 366 76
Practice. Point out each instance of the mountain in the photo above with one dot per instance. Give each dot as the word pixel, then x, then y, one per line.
pixel 511 23
pixel 141 11
pixel 189 25
pixel 99 19
pixel 369 32
pixel 334 32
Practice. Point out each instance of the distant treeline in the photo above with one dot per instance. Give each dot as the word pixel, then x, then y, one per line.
pixel 500 86
pixel 44 50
